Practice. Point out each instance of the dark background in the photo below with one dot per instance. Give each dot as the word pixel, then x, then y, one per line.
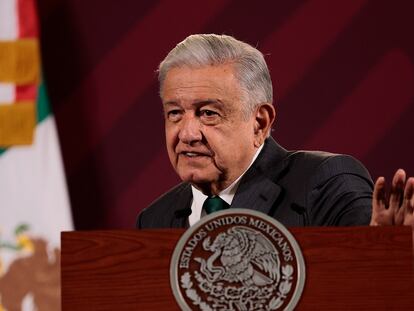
pixel 343 74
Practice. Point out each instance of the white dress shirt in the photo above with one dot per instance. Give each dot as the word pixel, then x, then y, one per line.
pixel 227 194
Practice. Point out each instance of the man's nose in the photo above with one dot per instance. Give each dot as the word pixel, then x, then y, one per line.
pixel 190 130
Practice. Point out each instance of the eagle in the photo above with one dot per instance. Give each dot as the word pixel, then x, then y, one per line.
pixel 245 255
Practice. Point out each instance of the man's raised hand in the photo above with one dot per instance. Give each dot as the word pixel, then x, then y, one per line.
pixel 396 208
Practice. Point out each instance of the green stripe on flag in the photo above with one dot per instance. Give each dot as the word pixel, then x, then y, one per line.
pixel 43 108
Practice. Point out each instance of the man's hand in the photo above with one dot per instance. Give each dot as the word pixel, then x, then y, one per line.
pixel 399 207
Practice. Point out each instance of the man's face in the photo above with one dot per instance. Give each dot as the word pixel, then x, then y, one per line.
pixel 210 142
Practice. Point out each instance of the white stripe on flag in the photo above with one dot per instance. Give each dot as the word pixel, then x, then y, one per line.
pixel 33 187
pixel 9 27
pixel 7 92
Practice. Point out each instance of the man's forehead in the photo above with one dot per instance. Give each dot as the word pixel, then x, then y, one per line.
pixel 200 84
pixel 192 76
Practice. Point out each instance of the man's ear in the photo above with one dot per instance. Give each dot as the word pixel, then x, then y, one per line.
pixel 265 116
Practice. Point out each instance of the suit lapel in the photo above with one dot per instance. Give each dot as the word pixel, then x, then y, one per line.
pixel 258 189
pixel 182 207
pixel 258 193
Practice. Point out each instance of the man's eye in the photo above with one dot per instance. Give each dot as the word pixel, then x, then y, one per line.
pixel 174 115
pixel 208 113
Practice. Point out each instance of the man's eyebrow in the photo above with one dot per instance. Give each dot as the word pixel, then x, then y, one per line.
pixel 169 103
pixel 208 101
pixel 197 102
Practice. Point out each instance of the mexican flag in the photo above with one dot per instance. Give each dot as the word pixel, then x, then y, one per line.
pixel 34 203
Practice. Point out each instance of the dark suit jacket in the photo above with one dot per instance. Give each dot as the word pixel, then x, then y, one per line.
pixel 297 188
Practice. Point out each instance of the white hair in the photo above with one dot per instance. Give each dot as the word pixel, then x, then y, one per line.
pixel 201 50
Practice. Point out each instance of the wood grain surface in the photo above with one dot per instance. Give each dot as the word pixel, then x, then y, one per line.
pixel 358 268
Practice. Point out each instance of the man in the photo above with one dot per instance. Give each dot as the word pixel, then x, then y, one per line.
pixel 217 98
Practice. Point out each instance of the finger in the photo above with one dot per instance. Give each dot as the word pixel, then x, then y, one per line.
pixel 378 200
pixel 397 190
pixel 408 203
pixel 398 199
pixel 380 215
pixel 409 198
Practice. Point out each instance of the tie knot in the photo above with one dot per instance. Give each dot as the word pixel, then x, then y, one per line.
pixel 214 204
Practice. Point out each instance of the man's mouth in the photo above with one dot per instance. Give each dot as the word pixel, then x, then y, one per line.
pixel 193 154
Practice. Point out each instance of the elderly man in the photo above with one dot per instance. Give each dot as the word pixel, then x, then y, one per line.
pixel 217 98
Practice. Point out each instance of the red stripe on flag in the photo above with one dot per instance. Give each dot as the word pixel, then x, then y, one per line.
pixel 301 41
pixel 28 27
pixel 26 92
pixel 378 102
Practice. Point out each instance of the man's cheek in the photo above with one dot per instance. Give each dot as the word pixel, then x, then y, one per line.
pixel 219 161
pixel 173 158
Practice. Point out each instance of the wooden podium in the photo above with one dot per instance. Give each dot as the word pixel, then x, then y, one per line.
pixel 355 268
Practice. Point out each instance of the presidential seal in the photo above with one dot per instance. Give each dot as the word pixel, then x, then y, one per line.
pixel 237 259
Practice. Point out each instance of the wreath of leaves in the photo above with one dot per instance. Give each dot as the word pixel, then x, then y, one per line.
pixel 284 288
pixel 20 229
pixel 191 293
pixel 274 304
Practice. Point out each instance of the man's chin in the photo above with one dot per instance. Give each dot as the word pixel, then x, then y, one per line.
pixel 208 184
pixel 197 179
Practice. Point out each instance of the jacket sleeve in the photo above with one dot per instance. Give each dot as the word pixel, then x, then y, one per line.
pixel 340 193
